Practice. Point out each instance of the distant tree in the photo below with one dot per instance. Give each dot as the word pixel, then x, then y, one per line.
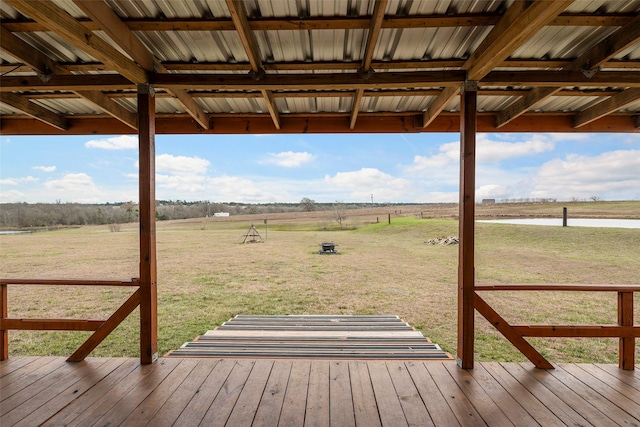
pixel 340 214
pixel 595 198
pixel 308 204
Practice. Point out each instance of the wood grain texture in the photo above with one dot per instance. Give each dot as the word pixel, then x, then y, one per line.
pixel 121 391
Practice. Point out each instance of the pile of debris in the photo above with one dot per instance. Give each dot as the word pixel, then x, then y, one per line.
pixel 449 240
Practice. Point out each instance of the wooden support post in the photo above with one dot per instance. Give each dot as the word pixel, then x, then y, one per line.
pixel 148 266
pixel 627 350
pixel 4 334
pixel 466 269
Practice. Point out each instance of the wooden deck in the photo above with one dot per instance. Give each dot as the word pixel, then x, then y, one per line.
pixel 242 392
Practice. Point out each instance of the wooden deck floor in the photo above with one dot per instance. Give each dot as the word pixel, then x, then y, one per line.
pixel 211 392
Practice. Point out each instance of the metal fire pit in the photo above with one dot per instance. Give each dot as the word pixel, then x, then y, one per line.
pixel 327 248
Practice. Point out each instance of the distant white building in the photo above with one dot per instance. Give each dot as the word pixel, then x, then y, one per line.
pixel 221 214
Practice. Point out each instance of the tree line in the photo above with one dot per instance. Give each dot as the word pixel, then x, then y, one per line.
pixel 37 215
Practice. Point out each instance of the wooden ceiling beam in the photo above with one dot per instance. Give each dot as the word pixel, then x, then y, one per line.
pixel 420 79
pixel 355 109
pixel 525 103
pixel 329 93
pixel 328 123
pixel 546 64
pixel 336 23
pixel 34 110
pixel 119 32
pixel 623 38
pixel 57 20
pixel 66 82
pixel 606 107
pixel 46 68
pixel 27 54
pixel 518 24
pixel 365 69
pixel 593 58
pixel 107 105
pixel 267 95
pixel 320 82
pixel 439 104
pixel 561 78
pixel 241 23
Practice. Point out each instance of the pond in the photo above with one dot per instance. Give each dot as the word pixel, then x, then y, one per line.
pixel 571 222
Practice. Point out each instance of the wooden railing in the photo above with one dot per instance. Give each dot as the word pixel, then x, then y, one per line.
pixel 101 328
pixel 625 330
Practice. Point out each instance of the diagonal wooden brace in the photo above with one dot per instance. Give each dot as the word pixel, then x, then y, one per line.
pixel 107 327
pixel 509 333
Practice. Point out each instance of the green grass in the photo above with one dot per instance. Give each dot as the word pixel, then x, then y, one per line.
pixel 206 276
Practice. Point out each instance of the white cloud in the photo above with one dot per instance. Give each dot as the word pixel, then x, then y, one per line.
pixel 12 196
pixel 614 174
pixel 488 150
pixel 122 142
pixel 45 168
pixel 233 188
pixel 437 197
pixel 183 165
pixel 288 159
pixel 189 183
pixel 16 181
pixel 366 181
pixel 183 174
pixel 74 187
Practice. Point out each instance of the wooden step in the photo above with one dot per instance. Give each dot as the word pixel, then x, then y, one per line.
pixel 334 337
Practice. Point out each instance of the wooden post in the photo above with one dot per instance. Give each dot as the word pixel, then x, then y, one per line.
pixel 627 346
pixel 148 266
pixel 466 269
pixel 564 217
pixel 4 334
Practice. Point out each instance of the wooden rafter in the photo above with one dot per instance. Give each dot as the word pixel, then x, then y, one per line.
pixel 562 78
pixel 46 68
pixel 573 92
pixel 241 24
pixel 110 107
pixel 608 106
pixel 33 110
pixel 60 22
pixel 610 46
pixel 322 82
pixel 452 63
pixel 365 69
pixel 27 54
pixel 524 104
pixel 338 23
pixel 357 101
pixel 519 23
pixel 118 31
pixel 590 60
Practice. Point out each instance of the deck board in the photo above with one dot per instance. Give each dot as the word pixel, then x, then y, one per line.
pixel 242 392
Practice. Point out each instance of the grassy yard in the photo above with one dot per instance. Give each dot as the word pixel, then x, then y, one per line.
pixel 206 276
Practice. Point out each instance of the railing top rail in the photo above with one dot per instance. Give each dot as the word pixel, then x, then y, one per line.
pixel 575 287
pixel 70 282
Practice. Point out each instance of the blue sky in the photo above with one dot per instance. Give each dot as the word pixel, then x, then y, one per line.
pixel 326 168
